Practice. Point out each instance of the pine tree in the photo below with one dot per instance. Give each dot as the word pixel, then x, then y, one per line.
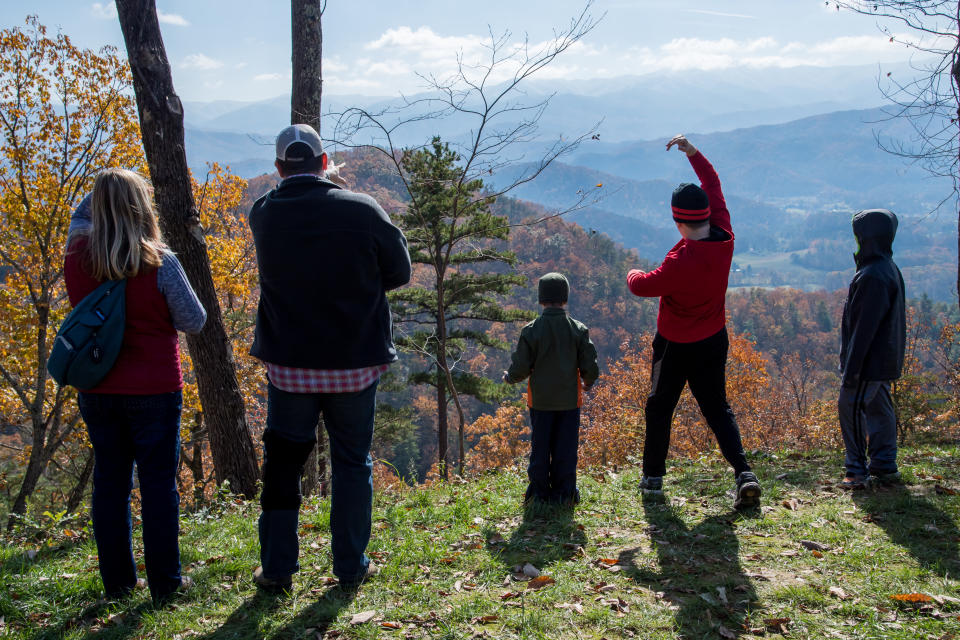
pixel 453 234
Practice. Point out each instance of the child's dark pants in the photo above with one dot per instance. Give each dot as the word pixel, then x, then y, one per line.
pixel 702 365
pixel 553 456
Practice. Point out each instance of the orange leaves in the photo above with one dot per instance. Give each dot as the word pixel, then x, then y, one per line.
pixel 912 598
pixel 498 440
pixel 540 582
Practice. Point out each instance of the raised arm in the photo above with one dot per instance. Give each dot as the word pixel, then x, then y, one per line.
pixel 709 181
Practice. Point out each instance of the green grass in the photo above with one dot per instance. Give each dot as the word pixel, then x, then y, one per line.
pixel 625 566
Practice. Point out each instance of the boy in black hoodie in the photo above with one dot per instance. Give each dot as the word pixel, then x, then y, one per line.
pixel 871 353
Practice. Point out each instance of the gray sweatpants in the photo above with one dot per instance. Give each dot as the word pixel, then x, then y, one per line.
pixel 869 427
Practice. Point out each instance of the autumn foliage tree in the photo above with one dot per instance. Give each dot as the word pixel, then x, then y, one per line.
pixel 65 114
pixel 220 199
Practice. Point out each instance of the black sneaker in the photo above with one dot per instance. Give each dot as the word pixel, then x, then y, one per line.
pixel 892 479
pixel 748 491
pixel 651 484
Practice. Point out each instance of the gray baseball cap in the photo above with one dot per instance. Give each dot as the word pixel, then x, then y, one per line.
pixel 302 133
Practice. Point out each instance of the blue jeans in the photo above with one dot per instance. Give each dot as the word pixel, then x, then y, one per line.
pixel 290 436
pixel 552 471
pixel 868 423
pixel 145 429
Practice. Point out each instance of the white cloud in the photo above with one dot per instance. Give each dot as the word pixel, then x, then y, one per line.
pixel 240 65
pixel 721 14
pixel 172 18
pixel 104 10
pixel 268 77
pixel 426 44
pixel 201 62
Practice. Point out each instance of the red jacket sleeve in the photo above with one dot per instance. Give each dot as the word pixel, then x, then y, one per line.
pixel 710 182
pixel 653 284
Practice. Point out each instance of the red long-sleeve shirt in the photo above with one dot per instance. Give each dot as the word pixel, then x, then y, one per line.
pixel 692 280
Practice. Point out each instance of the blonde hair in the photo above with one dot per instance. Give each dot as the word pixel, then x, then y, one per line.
pixel 124 235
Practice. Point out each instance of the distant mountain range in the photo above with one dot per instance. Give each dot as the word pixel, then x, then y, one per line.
pixel 628 108
pixel 792 178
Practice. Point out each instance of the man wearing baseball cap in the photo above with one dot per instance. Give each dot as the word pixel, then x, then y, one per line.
pixel 326 258
pixel 691 342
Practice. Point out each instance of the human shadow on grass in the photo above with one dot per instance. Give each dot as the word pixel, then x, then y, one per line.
pixel 101 620
pixel 547 534
pixel 915 523
pixel 699 570
pixel 245 622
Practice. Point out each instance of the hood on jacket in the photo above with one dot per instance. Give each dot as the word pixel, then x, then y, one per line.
pixel 875 230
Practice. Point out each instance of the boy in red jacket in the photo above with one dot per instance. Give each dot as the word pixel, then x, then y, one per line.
pixel 691 341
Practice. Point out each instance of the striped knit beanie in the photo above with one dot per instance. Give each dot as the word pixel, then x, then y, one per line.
pixel 690 204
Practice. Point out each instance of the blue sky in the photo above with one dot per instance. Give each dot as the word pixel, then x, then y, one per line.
pixel 240 49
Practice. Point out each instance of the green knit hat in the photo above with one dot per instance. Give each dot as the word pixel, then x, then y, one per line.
pixel 553 287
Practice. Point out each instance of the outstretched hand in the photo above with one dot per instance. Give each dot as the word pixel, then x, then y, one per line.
pixel 682 144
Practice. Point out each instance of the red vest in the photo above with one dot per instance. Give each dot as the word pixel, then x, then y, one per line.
pixel 149 360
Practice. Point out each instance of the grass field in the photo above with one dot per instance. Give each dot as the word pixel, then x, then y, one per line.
pixel 813 562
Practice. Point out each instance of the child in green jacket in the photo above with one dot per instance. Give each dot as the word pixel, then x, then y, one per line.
pixel 556 353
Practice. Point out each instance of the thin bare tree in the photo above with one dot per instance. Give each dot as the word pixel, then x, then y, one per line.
pixel 488 98
pixel 930 101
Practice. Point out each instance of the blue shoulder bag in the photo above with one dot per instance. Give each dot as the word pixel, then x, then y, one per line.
pixel 89 339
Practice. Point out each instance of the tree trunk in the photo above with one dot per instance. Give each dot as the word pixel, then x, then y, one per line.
pixel 76 496
pixel 35 466
pixel 161 127
pixel 315 471
pixel 307 40
pixel 955 76
pixel 442 428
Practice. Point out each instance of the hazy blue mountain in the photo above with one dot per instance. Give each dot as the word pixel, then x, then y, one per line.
pixel 627 108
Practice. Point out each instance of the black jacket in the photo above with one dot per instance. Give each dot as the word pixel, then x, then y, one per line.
pixel 873 332
pixel 326 258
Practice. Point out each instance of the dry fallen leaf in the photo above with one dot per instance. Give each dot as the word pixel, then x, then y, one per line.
pixel 530 570
pixel 837 592
pixel 509 594
pixel 362 617
pixel 540 581
pixel 942 490
pixel 726 633
pixel 815 546
pixel 793 504
pixel 391 625
pixel 911 597
pixel 484 619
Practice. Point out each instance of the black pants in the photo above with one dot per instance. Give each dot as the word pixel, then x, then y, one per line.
pixel 553 456
pixel 702 364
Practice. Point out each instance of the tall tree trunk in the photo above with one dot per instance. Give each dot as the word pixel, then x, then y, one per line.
pixel 307 46
pixel 161 126
pixel 955 76
pixel 442 427
pixel 307 40
pixel 76 496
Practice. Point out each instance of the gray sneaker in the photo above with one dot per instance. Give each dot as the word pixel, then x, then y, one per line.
pixel 651 484
pixel 272 585
pixel 748 491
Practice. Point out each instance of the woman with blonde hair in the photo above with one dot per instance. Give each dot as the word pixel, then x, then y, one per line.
pixel 133 414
